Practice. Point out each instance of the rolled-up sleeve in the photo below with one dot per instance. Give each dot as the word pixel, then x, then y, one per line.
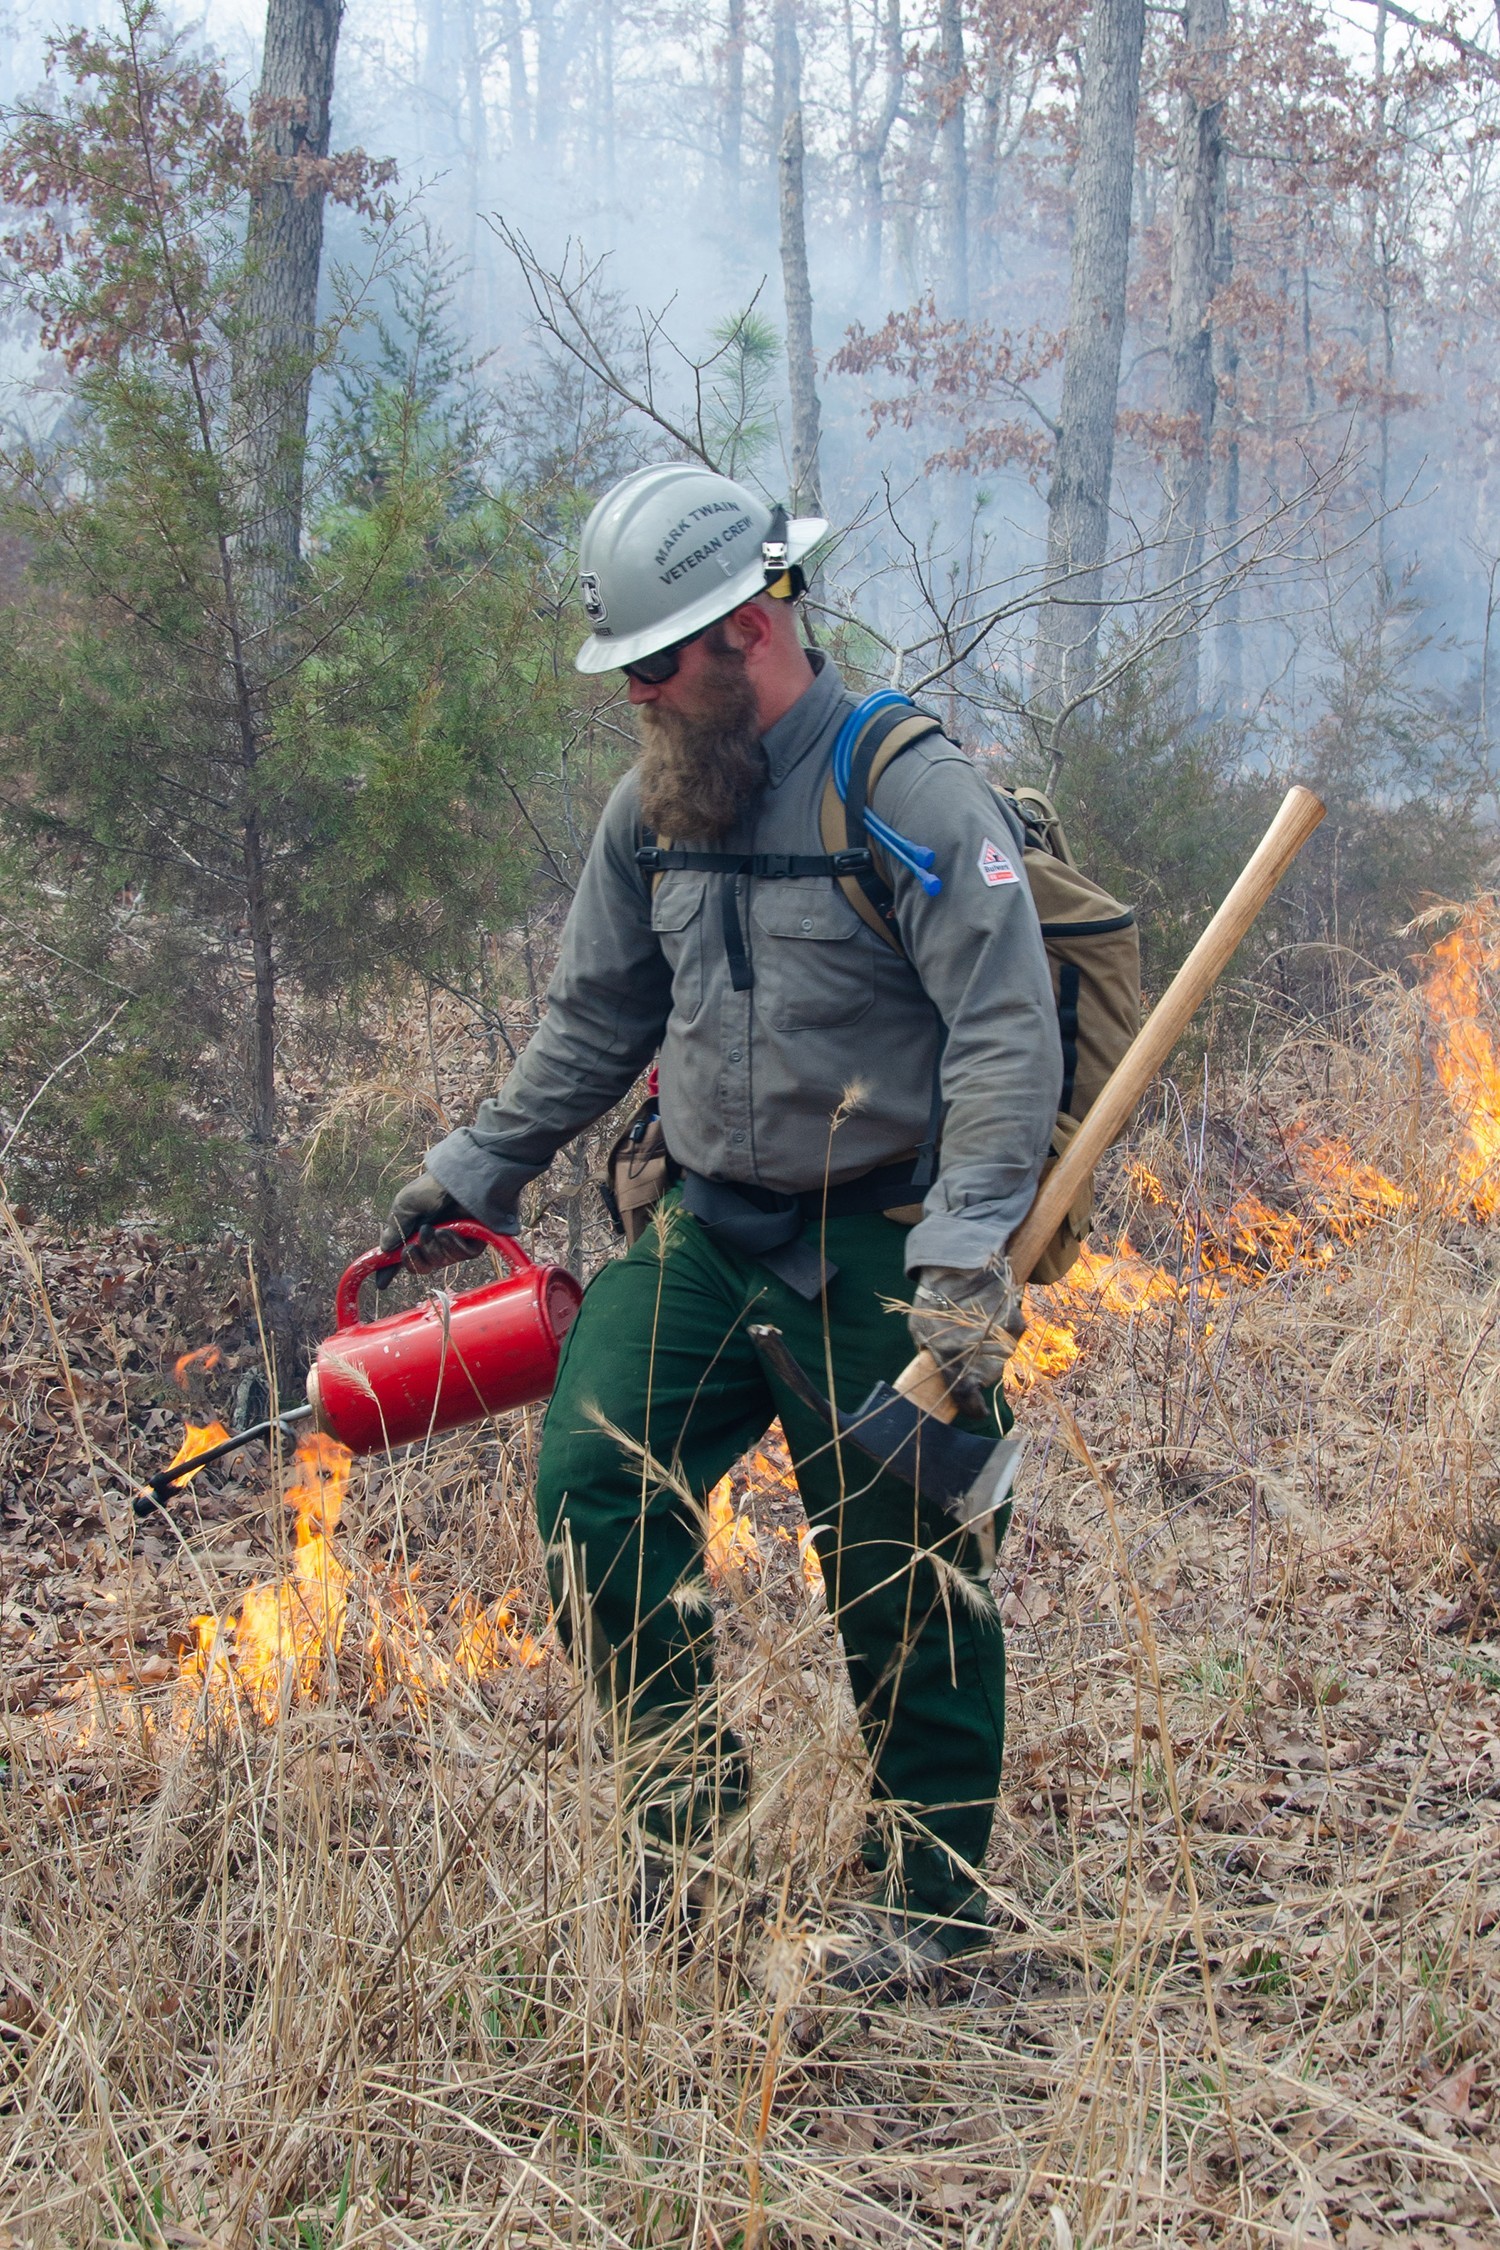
pixel 977 948
pixel 607 1006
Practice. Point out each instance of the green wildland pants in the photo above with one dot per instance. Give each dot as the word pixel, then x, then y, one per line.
pixel 660 1390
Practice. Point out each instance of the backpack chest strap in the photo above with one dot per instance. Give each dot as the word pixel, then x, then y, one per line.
pixel 657 859
pixel 771 867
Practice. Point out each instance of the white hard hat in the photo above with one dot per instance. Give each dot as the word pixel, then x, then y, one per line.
pixel 671 549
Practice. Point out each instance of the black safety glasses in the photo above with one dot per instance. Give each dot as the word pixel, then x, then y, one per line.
pixel 663 665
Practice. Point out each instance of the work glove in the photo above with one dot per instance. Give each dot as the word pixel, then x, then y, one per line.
pixel 970 1322
pixel 417 1220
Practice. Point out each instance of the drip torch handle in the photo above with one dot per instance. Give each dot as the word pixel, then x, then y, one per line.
pixel 353 1278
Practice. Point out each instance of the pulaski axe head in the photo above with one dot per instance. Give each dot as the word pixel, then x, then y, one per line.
pixel 967 1477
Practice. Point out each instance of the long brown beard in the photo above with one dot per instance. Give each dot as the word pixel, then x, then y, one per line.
pixel 700 769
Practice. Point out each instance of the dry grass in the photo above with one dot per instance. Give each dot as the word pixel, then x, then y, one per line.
pixel 366 1976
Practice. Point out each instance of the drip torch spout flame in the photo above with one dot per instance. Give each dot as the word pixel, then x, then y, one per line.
pixel 201 1446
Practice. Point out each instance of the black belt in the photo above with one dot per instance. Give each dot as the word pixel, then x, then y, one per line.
pixel 885 1189
pixel 763 1224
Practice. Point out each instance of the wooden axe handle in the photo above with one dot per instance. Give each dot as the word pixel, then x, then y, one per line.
pixel 1299 815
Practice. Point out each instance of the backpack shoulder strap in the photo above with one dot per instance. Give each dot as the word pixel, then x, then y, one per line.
pixel 842 819
pixel 1039 816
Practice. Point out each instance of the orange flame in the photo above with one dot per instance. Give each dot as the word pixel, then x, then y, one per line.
pixel 201 1438
pixel 1122 1284
pixel 487 1638
pixel 732 1546
pixel 1459 993
pixel 288 1637
pixel 1342 1195
pixel 206 1358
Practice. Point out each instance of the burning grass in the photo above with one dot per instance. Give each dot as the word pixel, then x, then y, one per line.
pixel 290 1640
pixel 348 1956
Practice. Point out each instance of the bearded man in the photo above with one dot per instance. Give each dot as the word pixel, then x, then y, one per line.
pixel 810 1066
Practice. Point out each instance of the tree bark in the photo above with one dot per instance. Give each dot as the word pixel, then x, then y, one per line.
pixel 870 151
pixel 1083 470
pixel 1229 681
pixel 437 82
pixel 953 159
pixel 1197 223
pixel 986 186
pixel 547 108
pixel 273 357
pixel 786 71
pixel 607 92
pixel 801 365
pixel 732 138
pixel 515 71
pixel 270 382
pixel 477 117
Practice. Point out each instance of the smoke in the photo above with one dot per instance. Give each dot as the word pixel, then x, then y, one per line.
pixel 1354 328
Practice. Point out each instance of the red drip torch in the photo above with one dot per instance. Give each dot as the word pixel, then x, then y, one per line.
pixel 456 1358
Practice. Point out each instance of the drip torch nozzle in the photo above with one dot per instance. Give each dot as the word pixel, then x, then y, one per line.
pixel 160 1488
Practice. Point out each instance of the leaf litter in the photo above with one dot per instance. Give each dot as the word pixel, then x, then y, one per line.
pixel 371 1971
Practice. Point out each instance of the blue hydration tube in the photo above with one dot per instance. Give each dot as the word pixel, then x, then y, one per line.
pixel 914 857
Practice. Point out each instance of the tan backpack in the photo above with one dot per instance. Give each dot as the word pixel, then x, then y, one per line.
pixel 1093 945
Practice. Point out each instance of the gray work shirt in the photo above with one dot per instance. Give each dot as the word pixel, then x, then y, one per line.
pixel 823 1069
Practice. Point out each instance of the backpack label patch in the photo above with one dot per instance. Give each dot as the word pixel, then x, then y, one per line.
pixel 994 867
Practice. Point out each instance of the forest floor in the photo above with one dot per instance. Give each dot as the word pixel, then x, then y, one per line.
pixel 330 1949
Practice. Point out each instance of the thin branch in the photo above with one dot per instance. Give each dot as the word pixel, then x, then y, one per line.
pixel 56 1072
pixel 524 811
pixel 548 290
pixel 1488 63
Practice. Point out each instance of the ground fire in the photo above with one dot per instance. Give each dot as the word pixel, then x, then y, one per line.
pixel 737 1530
pixel 1340 1196
pixel 289 1637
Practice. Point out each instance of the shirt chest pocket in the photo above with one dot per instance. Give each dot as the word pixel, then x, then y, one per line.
pixel 814 961
pixel 677 918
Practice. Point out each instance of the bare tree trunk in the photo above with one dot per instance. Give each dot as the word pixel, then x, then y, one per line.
pixel 515 71
pixel 1083 471
pixel 732 139
pixel 986 198
pixel 786 71
pixel 549 75
pixel 953 158
pixel 870 152
pixel 263 973
pixel 1377 276
pixel 1197 219
pixel 801 365
pixel 609 97
pixel 273 356
pixel 437 84
pixel 476 111
pixel 916 171
pixel 1229 688
pixel 270 381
